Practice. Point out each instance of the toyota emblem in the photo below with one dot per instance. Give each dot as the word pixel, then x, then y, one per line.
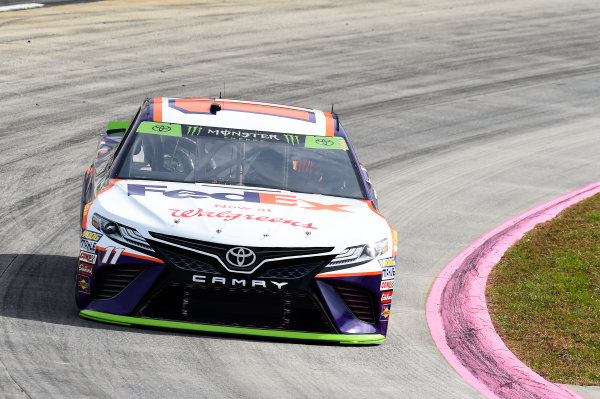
pixel 161 128
pixel 240 257
pixel 325 142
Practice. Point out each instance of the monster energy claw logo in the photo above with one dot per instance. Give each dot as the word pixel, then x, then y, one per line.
pixel 161 128
pixel 192 130
pixel 292 139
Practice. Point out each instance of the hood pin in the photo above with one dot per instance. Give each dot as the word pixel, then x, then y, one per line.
pixel 307 233
pixel 219 231
pixel 177 221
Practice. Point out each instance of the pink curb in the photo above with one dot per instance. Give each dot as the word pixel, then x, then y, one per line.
pixel 458 317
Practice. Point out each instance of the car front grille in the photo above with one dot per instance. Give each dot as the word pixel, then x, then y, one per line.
pixel 295 268
pixel 212 252
pixel 291 310
pixel 223 297
pixel 196 263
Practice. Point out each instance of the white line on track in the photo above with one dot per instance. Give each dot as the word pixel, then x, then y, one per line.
pixel 23 6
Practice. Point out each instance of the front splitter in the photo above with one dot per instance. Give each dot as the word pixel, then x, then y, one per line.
pixel 350 339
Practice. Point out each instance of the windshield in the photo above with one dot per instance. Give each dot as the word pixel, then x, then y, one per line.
pixel 200 154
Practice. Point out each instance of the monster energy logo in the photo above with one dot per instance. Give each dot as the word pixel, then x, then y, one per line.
pixel 292 139
pixel 194 130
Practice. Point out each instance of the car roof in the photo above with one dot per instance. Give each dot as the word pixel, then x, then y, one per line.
pixel 242 114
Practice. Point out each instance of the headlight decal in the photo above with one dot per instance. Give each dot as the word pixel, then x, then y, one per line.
pixel 358 255
pixel 122 234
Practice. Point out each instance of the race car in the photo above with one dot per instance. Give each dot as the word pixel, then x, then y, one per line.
pixel 234 217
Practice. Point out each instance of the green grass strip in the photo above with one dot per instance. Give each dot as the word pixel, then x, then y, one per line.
pixel 544 296
pixel 128 321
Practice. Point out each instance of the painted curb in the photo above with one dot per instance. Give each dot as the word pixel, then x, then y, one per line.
pixel 458 317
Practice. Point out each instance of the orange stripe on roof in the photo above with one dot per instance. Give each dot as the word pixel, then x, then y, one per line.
pixel 203 106
pixel 329 124
pixel 158 104
pixel 348 274
pixel 199 107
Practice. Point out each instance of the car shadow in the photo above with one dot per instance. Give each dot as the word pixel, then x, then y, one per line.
pixel 42 288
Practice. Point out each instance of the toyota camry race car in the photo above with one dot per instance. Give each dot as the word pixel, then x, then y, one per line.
pixel 232 216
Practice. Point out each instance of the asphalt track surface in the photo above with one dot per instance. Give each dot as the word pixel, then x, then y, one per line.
pixel 466 113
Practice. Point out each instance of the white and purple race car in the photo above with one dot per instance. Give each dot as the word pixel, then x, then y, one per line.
pixel 237 217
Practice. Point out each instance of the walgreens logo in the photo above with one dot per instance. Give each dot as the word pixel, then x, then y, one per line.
pixel 228 216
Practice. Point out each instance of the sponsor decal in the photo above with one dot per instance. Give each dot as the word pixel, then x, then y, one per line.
pixel 193 130
pixel 114 252
pixel 387 285
pixel 83 284
pixel 386 296
pixel 177 130
pixel 87 245
pixel 85 269
pixel 337 143
pixel 90 235
pixel 234 282
pixel 292 139
pixel 385 312
pixel 242 134
pixel 163 129
pixel 387 262
pixel 228 216
pixel 87 257
pixel 388 273
pixel 244 196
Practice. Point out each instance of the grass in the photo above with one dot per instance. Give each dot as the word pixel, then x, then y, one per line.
pixel 544 296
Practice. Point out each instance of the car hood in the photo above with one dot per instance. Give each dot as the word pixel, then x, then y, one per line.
pixel 244 216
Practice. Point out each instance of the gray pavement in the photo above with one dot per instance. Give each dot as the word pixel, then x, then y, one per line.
pixel 46 3
pixel 466 113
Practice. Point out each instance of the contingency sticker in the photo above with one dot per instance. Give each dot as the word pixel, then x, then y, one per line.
pixel 90 235
pixel 85 269
pixel 332 143
pixel 386 296
pixel 385 312
pixel 388 273
pixel 88 257
pixel 83 284
pixel 88 245
pixel 387 262
pixel 163 129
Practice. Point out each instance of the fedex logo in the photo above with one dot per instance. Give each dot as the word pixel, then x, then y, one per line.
pixel 245 196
